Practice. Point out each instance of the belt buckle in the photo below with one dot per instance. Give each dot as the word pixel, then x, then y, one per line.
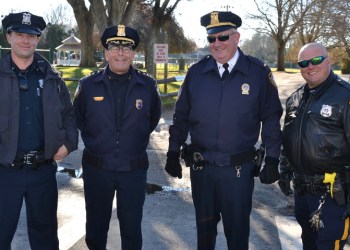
pixel 28 158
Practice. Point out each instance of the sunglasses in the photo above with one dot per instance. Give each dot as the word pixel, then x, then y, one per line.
pixel 314 61
pixel 221 38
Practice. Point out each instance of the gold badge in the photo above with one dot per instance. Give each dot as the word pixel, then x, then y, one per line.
pixel 245 89
pixel 214 18
pixel 139 104
pixel 98 98
pixel 121 30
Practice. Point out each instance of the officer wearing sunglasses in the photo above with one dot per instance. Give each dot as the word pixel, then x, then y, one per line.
pixel 223 102
pixel 316 146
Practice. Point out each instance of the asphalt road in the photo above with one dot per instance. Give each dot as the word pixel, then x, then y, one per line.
pixel 169 221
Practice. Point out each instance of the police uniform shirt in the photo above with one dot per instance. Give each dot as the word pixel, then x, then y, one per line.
pixel 31 120
pixel 231 64
pixel 119 87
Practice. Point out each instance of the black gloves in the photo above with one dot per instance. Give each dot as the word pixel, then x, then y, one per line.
pixel 173 166
pixel 269 173
pixel 284 182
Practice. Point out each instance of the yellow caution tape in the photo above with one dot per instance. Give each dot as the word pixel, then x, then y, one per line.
pixel 330 178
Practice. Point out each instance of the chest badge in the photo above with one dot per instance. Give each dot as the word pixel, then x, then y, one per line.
pixel 326 110
pixel 139 104
pixel 245 89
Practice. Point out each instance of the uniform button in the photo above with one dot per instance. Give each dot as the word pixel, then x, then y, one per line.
pixel 28 123
pixel 27 108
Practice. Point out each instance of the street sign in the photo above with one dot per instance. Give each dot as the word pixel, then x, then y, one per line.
pixel 160 53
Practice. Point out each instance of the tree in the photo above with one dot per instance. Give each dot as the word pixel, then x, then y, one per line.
pixel 281 21
pixel 260 46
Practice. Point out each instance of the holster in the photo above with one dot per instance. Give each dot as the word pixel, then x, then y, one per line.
pixel 260 154
pixel 338 191
pixel 186 153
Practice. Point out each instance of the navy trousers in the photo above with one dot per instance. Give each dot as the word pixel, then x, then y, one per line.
pixel 38 188
pixel 100 187
pixel 221 192
pixel 335 231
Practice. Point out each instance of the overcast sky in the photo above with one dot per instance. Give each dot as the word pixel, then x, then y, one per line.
pixel 188 13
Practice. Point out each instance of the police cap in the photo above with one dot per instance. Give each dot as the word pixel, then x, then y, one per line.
pixel 24 22
pixel 120 35
pixel 218 21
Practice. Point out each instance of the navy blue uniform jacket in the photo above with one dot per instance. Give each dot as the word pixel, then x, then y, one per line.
pixel 94 108
pixel 224 117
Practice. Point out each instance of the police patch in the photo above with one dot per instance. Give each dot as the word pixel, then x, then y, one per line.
pixel 326 110
pixel 139 104
pixel 272 79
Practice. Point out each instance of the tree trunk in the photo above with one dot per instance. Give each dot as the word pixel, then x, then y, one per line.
pixel 85 21
pixel 280 56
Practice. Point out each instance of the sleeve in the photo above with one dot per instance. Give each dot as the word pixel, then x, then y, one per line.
pixel 155 109
pixel 79 107
pixel 68 121
pixel 271 112
pixel 179 129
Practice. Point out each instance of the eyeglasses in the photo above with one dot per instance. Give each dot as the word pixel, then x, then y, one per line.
pixel 117 49
pixel 221 38
pixel 314 61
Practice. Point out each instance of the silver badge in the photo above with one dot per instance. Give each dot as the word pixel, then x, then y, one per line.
pixel 326 110
pixel 41 83
pixel 26 19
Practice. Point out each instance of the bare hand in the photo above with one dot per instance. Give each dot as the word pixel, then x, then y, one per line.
pixel 61 153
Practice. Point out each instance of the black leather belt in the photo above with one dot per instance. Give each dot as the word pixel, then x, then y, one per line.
pixel 33 158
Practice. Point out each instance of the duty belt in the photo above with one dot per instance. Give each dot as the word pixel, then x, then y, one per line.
pixel 309 184
pixel 33 158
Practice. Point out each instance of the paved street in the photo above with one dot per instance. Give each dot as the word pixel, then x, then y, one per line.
pixel 168 212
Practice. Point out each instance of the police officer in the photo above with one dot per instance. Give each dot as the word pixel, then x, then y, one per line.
pixel 223 100
pixel 117 109
pixel 37 128
pixel 316 151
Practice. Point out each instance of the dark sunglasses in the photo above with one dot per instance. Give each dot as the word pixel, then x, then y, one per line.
pixel 221 38
pixel 314 61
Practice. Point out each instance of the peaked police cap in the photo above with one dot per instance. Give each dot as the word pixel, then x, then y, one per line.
pixel 24 22
pixel 218 21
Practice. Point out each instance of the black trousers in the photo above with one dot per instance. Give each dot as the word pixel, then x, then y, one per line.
pixel 219 193
pixel 336 229
pixel 100 187
pixel 38 188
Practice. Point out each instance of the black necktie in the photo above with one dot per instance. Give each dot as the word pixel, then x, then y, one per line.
pixel 226 72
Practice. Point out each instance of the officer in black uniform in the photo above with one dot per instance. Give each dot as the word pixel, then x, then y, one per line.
pixel 224 100
pixel 117 109
pixel 316 151
pixel 37 127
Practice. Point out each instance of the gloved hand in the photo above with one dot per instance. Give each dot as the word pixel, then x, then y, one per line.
pixel 269 173
pixel 284 182
pixel 173 166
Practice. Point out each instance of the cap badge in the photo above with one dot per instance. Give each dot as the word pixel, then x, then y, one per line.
pixel 139 104
pixel 121 30
pixel 245 89
pixel 326 110
pixel 26 19
pixel 214 18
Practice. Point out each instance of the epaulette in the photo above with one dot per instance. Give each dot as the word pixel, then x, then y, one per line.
pixel 343 83
pixel 202 60
pixel 257 61
pixel 142 73
pixel 92 74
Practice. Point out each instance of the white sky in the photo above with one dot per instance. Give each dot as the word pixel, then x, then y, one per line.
pixel 188 13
